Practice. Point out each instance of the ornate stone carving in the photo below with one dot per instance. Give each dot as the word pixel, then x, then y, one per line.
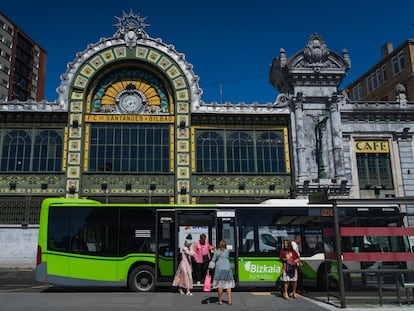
pixel 131 27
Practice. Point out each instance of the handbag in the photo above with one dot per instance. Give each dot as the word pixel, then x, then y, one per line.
pixel 290 270
pixel 212 264
pixel 207 283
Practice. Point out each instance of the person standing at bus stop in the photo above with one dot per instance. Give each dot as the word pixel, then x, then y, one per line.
pixel 223 276
pixel 183 278
pixel 202 257
pixel 296 246
pixel 291 260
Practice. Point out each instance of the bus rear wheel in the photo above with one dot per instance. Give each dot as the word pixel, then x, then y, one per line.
pixel 141 279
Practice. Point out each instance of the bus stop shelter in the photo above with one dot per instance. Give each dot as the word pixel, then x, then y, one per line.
pixel 370 256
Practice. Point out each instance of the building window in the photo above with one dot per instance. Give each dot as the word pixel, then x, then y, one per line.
pixel 379 77
pixel 47 147
pixel 373 164
pixel 210 153
pixel 373 81
pixel 6 70
pixel 368 84
pixel 398 63
pixel 401 61
pixel 222 151
pixel 48 150
pixel 240 157
pixel 384 73
pixel 130 148
pixel 16 151
pixel 357 92
pixel 270 153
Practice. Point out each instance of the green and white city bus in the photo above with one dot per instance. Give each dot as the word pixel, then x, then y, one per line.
pixel 88 243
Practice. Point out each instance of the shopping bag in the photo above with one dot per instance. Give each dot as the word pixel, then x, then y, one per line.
pixel 207 283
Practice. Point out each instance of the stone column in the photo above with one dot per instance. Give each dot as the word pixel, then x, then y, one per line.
pixel 337 140
pixel 300 138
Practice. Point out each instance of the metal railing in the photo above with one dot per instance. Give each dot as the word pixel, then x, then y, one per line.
pixel 378 275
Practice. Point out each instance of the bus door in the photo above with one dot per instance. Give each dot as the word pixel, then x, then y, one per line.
pixel 192 223
pixel 166 247
pixel 226 230
pixel 173 228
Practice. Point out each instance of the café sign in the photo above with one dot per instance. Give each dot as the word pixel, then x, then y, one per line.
pixel 371 146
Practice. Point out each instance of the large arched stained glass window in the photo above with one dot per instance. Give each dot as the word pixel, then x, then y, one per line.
pixel 240 153
pixel 270 153
pixel 210 153
pixel 48 150
pixel 16 151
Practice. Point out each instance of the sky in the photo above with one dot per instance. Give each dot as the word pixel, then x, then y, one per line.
pixel 230 44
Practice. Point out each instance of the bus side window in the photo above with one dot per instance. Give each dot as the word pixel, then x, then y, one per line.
pixel 78 244
pixel 247 244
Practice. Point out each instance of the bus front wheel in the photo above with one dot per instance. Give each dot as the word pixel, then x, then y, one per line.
pixel 141 279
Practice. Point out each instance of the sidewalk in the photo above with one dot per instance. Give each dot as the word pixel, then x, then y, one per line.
pixel 355 300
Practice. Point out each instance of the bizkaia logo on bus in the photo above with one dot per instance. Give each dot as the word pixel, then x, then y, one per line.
pixel 255 270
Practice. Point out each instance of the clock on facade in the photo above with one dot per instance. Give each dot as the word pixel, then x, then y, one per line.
pixel 131 100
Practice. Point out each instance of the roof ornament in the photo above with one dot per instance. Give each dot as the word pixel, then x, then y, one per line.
pixel 316 53
pixel 131 28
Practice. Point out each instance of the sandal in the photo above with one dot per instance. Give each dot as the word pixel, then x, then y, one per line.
pixel 286 296
pixel 219 302
pixel 189 294
pixel 294 296
pixel 181 291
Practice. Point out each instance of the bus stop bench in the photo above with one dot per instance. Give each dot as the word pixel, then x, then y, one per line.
pixel 407 285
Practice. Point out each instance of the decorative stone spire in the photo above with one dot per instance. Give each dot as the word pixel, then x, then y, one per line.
pixel 131 28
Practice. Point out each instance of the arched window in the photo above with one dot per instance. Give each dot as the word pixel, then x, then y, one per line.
pixel 240 153
pixel 16 151
pixel 247 151
pixel 48 149
pixel 270 153
pixel 210 153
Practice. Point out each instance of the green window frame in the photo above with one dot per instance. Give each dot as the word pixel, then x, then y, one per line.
pixel 374 169
pixel 247 151
pixel 31 150
pixel 129 148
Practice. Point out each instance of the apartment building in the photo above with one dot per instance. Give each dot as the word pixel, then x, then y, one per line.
pixel 379 83
pixel 22 64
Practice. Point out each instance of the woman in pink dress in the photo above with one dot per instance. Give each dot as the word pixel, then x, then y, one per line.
pixel 183 278
pixel 201 258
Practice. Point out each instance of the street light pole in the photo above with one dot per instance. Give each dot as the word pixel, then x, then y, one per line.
pixel 339 255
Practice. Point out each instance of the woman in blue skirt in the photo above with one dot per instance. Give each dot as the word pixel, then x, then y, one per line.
pixel 223 276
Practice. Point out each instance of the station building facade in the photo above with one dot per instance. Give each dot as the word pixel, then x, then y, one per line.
pixel 130 125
